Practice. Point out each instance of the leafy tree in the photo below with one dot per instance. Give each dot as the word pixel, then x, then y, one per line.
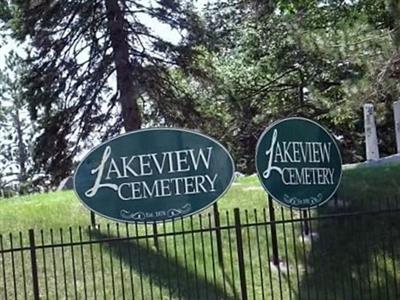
pixel 85 57
pixel 260 61
pixel 296 58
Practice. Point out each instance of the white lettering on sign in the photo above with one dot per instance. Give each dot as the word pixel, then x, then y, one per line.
pixel 294 152
pixel 154 164
pixel 167 187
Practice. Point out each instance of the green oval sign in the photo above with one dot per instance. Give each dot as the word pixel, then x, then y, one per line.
pixel 152 175
pixel 298 163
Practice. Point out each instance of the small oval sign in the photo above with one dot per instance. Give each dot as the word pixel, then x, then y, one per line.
pixel 298 163
pixel 152 175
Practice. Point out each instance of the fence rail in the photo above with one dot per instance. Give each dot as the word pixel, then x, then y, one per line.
pixel 225 255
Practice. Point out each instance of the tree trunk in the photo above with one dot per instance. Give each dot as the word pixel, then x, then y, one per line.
pixel 22 155
pixel 126 87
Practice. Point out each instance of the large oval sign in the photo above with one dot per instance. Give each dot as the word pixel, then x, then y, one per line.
pixel 298 163
pixel 152 175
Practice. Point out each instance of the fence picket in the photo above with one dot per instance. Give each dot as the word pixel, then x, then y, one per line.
pixel 35 279
pixel 362 261
pixel 239 245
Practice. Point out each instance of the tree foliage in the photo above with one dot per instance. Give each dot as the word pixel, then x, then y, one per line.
pixel 320 60
pixel 86 57
pixel 98 66
pixel 16 129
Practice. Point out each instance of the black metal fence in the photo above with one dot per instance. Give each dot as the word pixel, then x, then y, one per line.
pixel 332 256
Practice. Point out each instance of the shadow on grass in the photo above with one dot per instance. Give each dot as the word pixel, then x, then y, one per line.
pixel 161 276
pixel 354 258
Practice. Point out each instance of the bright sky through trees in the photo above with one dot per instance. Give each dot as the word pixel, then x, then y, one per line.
pixel 161 29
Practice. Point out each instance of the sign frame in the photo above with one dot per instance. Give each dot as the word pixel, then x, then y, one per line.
pixel 267 129
pixel 139 131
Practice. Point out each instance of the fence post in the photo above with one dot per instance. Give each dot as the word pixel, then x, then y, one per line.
pixel 306 229
pixel 35 279
pixel 93 219
pixel 217 224
pixel 155 235
pixel 274 239
pixel 371 139
pixel 396 109
pixel 239 245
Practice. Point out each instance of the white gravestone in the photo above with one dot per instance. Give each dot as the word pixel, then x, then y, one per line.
pixel 371 139
pixel 396 109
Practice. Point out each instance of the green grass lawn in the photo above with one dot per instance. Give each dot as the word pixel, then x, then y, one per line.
pixel 63 209
pixel 363 186
pixel 371 183
pixel 354 257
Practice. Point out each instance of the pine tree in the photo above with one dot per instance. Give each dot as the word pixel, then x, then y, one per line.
pixel 16 128
pixel 86 57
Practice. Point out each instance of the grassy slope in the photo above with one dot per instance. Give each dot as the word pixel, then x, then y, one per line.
pixel 62 210
pixel 358 254
pixel 372 182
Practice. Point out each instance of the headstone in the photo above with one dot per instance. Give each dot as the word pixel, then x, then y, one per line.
pixel 371 139
pixel 396 109
pixel 238 175
pixel 66 184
